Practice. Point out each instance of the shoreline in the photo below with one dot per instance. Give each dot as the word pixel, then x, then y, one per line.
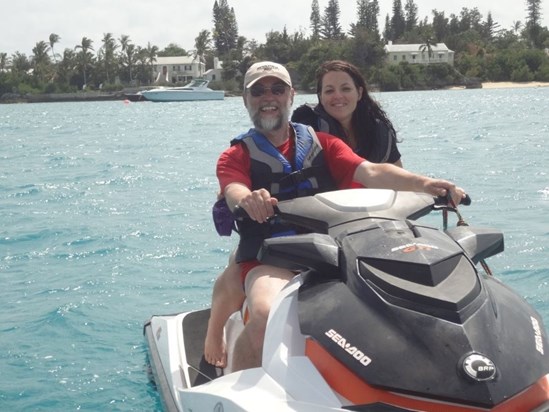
pixel 506 85
pixel 123 95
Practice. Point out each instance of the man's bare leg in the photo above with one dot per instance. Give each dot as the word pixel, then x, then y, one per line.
pixel 263 283
pixel 227 298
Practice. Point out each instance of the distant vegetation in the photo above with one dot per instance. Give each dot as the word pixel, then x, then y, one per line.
pixel 483 50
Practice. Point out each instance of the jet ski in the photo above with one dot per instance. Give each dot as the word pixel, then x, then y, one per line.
pixel 387 314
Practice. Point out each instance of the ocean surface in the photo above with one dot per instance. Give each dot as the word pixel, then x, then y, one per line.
pixel 105 211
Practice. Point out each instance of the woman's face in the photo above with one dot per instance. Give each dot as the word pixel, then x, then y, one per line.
pixel 339 96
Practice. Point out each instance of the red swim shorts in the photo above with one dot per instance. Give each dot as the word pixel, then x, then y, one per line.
pixel 245 267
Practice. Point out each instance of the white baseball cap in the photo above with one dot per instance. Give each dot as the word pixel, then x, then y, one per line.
pixel 260 70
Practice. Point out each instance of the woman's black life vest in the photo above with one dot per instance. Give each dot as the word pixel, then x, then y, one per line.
pixel 383 144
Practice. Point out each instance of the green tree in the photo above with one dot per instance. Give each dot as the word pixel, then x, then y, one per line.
pixel 398 22
pixel 41 61
pixel 367 15
pixel 365 50
pixel 470 19
pixel 489 28
pixel 387 31
pixel 84 57
pixel 202 45
pixel 411 10
pixel 225 33
pixel 54 39
pixel 314 57
pixel 533 18
pixel 3 61
pixel 172 50
pixel 277 47
pixel 20 64
pixel 128 56
pixel 107 56
pixel 149 56
pixel 315 21
pixel 427 45
pixel 67 69
pixel 440 25
pixel 330 25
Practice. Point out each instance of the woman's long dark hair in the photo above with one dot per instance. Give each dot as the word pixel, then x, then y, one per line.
pixel 367 110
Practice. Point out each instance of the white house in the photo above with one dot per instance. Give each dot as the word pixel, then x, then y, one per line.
pixel 418 53
pixel 177 69
pixel 215 73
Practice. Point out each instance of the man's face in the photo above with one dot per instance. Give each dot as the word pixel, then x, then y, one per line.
pixel 269 102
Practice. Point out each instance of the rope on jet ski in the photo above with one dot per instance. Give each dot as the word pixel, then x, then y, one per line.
pixel 462 222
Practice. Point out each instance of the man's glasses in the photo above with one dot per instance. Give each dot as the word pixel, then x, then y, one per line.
pixel 277 89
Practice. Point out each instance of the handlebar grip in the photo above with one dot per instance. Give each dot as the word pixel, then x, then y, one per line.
pixel 444 200
pixel 240 213
pixel 466 201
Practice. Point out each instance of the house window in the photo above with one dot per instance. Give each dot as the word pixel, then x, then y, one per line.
pixel 403 57
pixel 413 56
pixel 395 57
pixel 188 68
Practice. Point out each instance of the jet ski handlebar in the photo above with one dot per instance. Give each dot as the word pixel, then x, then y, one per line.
pixel 438 203
pixel 446 201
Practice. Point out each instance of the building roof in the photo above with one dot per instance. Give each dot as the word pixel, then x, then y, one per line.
pixel 410 48
pixel 175 60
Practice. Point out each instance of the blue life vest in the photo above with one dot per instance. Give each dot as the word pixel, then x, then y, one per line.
pixel 304 175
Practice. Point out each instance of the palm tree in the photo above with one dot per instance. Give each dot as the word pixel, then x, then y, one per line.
pixel 84 55
pixel 128 53
pixel 67 67
pixel 54 38
pixel 20 64
pixel 202 44
pixel 124 41
pixel 3 61
pixel 107 54
pixel 40 60
pixel 517 25
pixel 151 52
pixel 428 44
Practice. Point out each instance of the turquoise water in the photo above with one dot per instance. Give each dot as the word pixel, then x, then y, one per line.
pixel 105 211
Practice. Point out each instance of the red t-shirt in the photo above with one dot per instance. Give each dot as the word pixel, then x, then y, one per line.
pixel 234 163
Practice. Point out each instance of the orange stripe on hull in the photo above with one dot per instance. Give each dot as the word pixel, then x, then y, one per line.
pixel 358 392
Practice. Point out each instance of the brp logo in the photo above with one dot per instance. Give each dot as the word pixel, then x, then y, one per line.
pixel 478 367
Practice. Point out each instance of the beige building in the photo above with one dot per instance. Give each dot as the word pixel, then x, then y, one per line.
pixel 418 54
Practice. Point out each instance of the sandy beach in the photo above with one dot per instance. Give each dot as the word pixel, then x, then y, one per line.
pixel 507 85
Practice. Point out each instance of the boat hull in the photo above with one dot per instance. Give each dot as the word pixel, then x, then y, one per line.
pixel 182 96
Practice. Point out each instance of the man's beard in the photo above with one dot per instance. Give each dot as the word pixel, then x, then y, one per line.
pixel 270 124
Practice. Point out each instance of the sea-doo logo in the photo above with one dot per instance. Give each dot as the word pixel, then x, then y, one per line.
pixel 537 335
pixel 350 349
pixel 412 247
pixel 479 367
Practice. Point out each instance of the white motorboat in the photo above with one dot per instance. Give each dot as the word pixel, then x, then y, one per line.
pixel 197 89
pixel 389 314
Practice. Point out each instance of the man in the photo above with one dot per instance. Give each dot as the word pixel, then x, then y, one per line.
pixel 253 174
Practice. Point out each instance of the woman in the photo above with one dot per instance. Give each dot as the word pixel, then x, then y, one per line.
pixel 345 110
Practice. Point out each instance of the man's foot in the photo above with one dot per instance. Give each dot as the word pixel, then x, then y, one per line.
pixel 215 352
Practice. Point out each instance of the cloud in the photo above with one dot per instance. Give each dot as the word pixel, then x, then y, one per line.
pixel 174 21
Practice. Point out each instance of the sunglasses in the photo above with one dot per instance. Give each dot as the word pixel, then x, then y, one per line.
pixel 277 89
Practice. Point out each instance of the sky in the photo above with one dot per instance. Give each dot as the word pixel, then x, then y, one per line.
pixel 26 22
